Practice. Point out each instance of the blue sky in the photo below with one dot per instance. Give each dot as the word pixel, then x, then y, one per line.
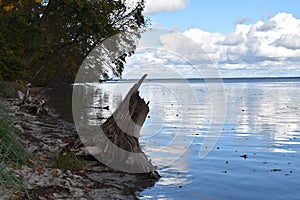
pixel 222 15
pixel 248 38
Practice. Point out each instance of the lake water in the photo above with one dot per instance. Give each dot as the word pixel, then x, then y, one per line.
pixel 256 155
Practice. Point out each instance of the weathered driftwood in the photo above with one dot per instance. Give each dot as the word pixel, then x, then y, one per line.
pixel 116 142
pixel 32 105
pixel 123 127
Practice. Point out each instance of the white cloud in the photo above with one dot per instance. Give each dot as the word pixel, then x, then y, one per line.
pixel 232 40
pixel 156 6
pixel 242 20
pixel 274 40
pixel 270 48
pixel 291 41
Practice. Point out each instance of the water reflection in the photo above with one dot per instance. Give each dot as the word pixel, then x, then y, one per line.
pixel 268 110
pixel 61 100
pixel 262 121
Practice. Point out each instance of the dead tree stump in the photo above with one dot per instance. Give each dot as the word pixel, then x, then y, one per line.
pixel 123 127
pixel 117 144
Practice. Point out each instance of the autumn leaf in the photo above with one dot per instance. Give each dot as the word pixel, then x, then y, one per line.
pixel 39 170
pixel 17 193
pixel 42 198
pixel 30 162
pixel 38 1
pixel 42 158
pixel 11 164
pixel 8 7
pixel 55 184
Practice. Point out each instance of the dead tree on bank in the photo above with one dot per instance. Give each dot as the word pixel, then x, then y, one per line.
pixel 123 127
pixel 117 143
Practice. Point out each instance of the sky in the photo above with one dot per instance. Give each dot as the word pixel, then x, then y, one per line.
pixel 251 38
pixel 216 15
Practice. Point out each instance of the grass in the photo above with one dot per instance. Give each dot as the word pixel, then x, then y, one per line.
pixel 11 147
pixel 7 90
pixel 68 161
pixel 12 154
pixel 9 182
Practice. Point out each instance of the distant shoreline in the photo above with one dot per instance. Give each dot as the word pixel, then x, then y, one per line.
pixel 234 79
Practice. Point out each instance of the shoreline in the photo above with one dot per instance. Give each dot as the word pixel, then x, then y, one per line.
pixel 44 137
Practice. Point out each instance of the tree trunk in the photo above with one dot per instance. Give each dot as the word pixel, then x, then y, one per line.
pixel 117 142
pixel 123 130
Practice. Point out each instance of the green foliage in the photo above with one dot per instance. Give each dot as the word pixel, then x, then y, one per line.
pixel 11 154
pixel 46 41
pixel 9 182
pixel 6 90
pixel 68 161
pixel 11 149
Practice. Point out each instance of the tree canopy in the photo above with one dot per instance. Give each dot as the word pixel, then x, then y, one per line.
pixel 46 41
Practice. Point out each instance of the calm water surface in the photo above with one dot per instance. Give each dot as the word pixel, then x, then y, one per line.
pixel 256 156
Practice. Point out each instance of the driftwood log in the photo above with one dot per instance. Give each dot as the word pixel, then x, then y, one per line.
pixel 116 142
pixel 31 104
